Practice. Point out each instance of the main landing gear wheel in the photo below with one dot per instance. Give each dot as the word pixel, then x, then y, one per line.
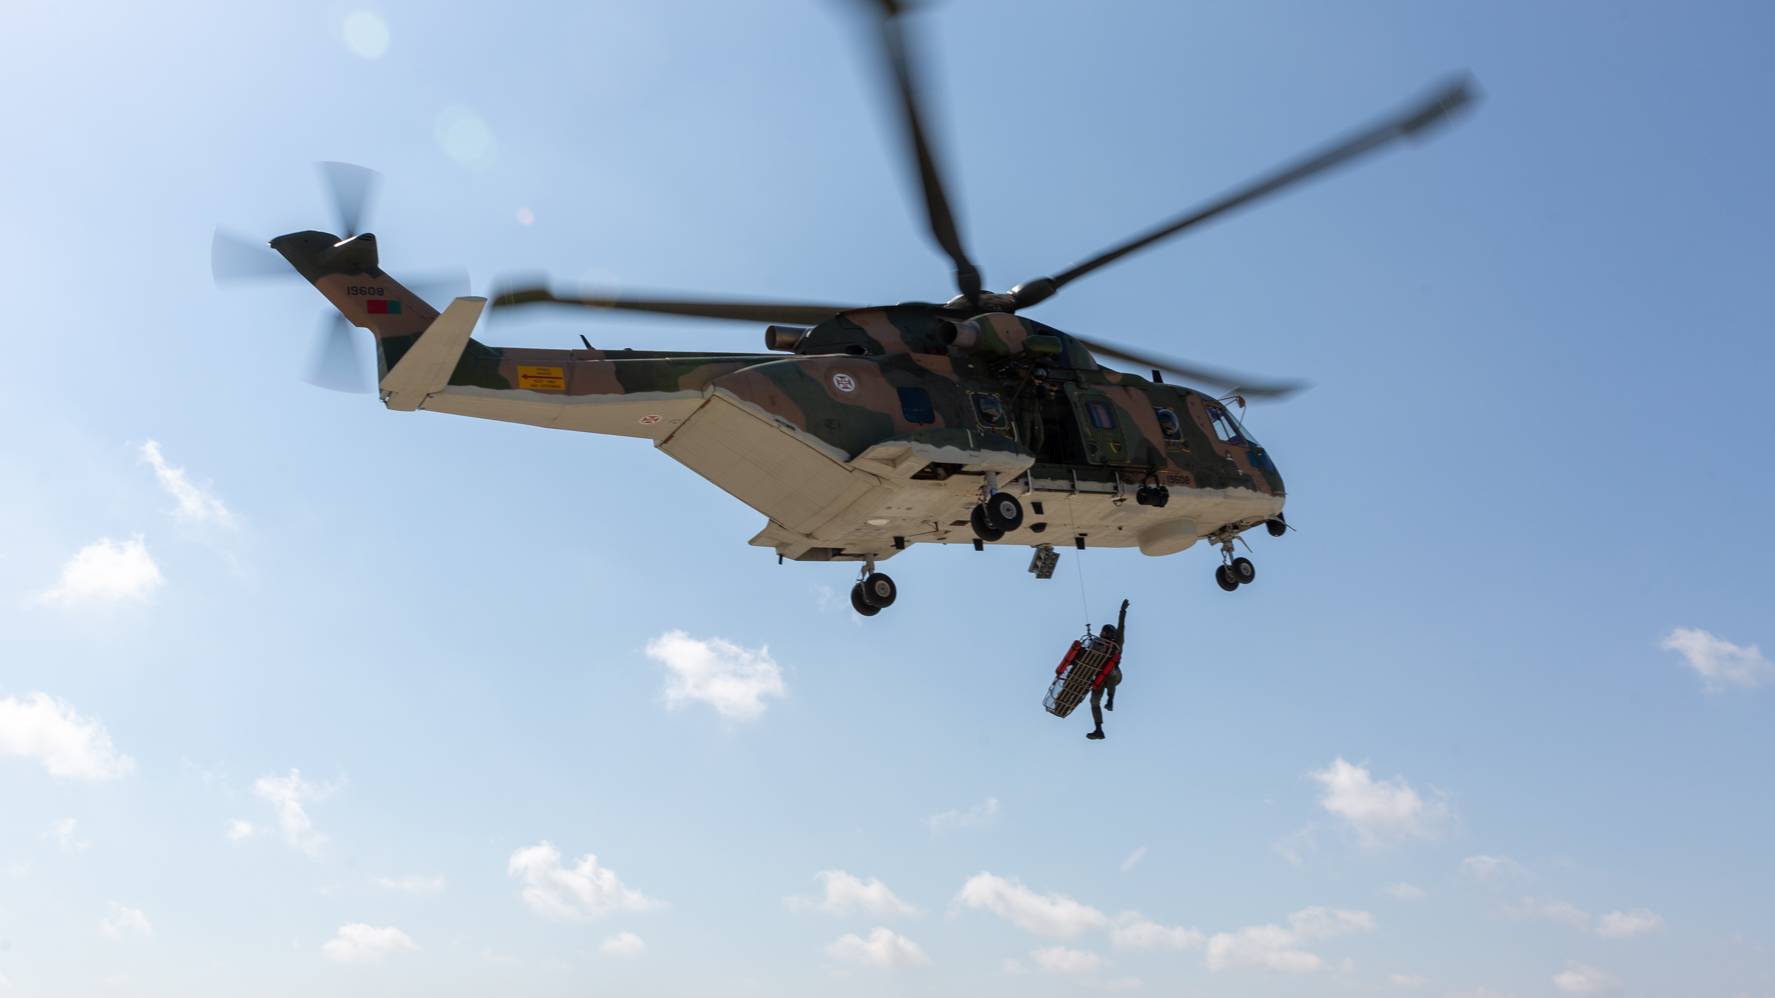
pixel 1003 512
pixel 859 605
pixel 1222 575
pixel 1243 571
pixel 878 590
pixel 983 529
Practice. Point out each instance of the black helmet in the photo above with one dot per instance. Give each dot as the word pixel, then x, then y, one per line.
pixel 1109 631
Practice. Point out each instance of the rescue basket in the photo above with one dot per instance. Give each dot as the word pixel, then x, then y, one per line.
pixel 1087 664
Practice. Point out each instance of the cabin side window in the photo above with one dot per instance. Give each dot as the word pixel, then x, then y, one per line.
pixel 1169 424
pixel 1102 417
pixel 915 405
pixel 991 412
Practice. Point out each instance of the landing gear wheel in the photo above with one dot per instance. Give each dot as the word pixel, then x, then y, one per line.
pixel 878 591
pixel 1243 571
pixel 1276 527
pixel 1003 512
pixel 1222 575
pixel 982 529
pixel 858 605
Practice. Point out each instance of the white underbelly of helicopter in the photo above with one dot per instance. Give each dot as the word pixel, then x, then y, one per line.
pixel 652 415
pixel 822 506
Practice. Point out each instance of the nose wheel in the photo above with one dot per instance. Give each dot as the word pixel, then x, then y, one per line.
pixel 1233 572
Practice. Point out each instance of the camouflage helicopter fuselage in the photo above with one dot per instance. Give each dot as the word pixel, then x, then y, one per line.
pixel 874 430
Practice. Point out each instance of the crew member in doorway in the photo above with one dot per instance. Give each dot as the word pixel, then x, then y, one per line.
pixel 1118 633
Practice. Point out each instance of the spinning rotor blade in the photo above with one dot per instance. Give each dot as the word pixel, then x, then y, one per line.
pixel 333 364
pixel 930 176
pixel 1409 123
pixel 234 257
pixel 440 288
pixel 1190 373
pixel 350 188
pixel 788 313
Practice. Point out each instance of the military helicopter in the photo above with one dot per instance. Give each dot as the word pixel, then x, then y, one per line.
pixel 865 430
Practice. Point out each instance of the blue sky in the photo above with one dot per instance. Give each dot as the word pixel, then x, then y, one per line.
pixel 297 695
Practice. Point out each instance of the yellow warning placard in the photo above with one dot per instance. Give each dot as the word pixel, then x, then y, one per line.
pixel 542 379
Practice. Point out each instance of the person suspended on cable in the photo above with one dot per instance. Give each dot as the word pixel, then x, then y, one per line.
pixel 1116 635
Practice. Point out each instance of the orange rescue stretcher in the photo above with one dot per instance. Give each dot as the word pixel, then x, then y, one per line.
pixel 1087 664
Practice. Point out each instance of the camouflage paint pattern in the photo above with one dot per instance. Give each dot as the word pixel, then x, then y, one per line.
pixel 867 377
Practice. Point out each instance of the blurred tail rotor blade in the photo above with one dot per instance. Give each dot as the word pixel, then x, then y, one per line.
pixel 350 188
pixel 234 258
pixel 334 363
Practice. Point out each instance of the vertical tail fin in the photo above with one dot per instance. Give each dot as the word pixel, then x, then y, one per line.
pixel 348 273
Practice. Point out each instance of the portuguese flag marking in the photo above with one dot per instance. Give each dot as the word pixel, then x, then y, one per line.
pixel 385 306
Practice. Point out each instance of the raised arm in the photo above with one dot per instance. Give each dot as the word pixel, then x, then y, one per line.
pixel 1122 624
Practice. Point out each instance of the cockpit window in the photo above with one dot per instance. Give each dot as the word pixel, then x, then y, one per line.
pixel 1225 426
pixel 991 412
pixel 1168 424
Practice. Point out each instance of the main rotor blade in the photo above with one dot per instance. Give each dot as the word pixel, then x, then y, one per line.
pixel 235 257
pixel 1192 373
pixel 897 48
pixel 1439 107
pixel 438 289
pixel 333 363
pixel 788 313
pixel 349 189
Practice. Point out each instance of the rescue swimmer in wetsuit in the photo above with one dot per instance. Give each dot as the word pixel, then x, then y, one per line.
pixel 1117 632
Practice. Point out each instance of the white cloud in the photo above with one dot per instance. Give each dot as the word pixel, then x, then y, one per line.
pixel 1116 984
pixel 884 948
pixel 360 943
pixel 727 677
pixel 1327 923
pixel 196 504
pixel 289 797
pixel 66 836
pixel 1581 979
pixel 1296 846
pixel 973 817
pixel 1381 811
pixel 584 889
pixel 1061 960
pixel 1551 910
pixel 1406 981
pixel 1719 662
pixel 1491 868
pixel 1626 924
pixel 1132 930
pixel 69 746
pixel 106 571
pixel 240 829
pixel 844 893
pixel 412 884
pixel 1134 859
pixel 1268 946
pixel 1272 947
pixel 1404 892
pixel 125 920
pixel 1054 915
pixel 623 944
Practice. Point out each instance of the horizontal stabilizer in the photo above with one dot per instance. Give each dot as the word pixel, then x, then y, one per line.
pixel 426 366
